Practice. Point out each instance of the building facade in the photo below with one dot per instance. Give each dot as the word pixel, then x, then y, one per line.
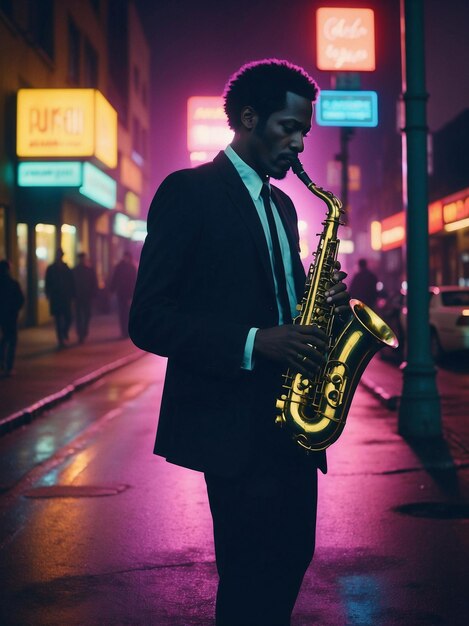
pixel 73 165
pixel 448 212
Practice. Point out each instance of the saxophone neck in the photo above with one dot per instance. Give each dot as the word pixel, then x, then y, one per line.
pixel 333 203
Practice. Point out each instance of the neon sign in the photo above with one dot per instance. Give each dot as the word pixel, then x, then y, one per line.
pixel 49 174
pixel 66 123
pixel 207 126
pixel 98 186
pixel 345 39
pixel 347 108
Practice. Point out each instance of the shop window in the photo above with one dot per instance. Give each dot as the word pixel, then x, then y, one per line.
pixel 45 253
pixel 68 243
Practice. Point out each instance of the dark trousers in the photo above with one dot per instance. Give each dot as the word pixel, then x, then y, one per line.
pixel 264 528
pixel 9 330
pixel 82 318
pixel 63 320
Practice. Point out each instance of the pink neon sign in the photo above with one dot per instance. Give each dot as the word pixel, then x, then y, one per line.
pixel 207 126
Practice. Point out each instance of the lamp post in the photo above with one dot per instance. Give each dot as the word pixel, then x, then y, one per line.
pixel 419 411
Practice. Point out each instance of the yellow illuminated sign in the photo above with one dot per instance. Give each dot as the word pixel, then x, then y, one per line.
pixel 66 123
pixel 105 131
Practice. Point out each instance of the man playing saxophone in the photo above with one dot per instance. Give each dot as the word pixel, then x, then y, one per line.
pixel 219 279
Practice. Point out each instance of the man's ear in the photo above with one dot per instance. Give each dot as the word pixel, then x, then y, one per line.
pixel 249 117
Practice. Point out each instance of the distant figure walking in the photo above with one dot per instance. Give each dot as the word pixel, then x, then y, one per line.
pixel 86 288
pixel 122 284
pixel 11 301
pixel 363 285
pixel 60 291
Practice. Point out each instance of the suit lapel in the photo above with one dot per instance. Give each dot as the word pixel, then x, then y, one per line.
pixel 242 201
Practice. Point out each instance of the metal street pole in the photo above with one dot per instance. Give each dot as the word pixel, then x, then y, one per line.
pixel 419 411
pixel 345 136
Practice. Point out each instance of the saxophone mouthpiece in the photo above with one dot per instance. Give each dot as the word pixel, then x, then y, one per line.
pixel 298 169
pixel 296 166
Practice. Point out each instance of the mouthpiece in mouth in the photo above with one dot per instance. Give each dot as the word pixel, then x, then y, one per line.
pixel 297 166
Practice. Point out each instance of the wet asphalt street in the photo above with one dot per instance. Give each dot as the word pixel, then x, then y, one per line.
pixel 95 530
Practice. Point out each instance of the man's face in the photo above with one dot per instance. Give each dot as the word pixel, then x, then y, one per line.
pixel 277 142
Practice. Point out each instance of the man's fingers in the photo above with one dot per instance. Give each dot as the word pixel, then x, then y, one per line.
pixel 310 330
pixel 304 366
pixel 337 277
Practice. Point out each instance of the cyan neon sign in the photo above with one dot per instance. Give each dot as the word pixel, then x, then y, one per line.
pixel 347 108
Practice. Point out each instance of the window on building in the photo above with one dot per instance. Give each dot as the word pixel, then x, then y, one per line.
pixel 91 65
pixel 73 52
pixel 41 25
pixel 136 139
pixel 136 74
pixel 6 7
pixel 96 5
pixel 144 143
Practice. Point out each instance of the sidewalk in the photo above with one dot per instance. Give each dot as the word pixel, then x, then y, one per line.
pixel 45 375
pixel 383 378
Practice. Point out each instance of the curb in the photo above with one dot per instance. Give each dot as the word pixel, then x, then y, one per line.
pixel 26 416
pixel 389 401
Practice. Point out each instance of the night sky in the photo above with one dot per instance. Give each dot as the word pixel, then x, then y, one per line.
pixel 196 45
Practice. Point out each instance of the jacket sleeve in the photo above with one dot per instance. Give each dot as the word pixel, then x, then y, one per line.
pixel 161 321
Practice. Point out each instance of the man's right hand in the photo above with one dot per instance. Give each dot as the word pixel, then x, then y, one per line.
pixel 301 348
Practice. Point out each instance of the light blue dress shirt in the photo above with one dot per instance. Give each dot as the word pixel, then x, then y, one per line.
pixel 253 183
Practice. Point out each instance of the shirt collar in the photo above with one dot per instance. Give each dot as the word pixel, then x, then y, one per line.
pixel 250 177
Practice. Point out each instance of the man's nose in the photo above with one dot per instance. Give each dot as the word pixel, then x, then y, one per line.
pixel 297 142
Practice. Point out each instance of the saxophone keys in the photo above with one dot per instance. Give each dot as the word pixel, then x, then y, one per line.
pixel 280 404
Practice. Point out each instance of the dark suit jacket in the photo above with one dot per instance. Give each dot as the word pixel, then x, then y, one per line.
pixel 204 280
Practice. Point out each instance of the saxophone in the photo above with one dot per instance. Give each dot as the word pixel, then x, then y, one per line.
pixel 314 410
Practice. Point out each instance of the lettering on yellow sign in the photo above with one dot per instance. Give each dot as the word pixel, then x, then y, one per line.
pixel 56 120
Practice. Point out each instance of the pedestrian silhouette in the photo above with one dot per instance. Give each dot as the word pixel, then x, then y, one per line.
pixel 86 288
pixel 60 291
pixel 363 285
pixel 122 284
pixel 11 301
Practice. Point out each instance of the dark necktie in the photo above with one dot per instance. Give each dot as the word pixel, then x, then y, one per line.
pixel 279 268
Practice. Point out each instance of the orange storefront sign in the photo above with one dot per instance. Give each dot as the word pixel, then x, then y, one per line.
pixel 435 217
pixel 345 39
pixel 393 231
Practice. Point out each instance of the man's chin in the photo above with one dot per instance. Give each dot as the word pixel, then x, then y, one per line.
pixel 279 174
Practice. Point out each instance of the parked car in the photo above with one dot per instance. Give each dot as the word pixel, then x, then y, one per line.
pixel 449 319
